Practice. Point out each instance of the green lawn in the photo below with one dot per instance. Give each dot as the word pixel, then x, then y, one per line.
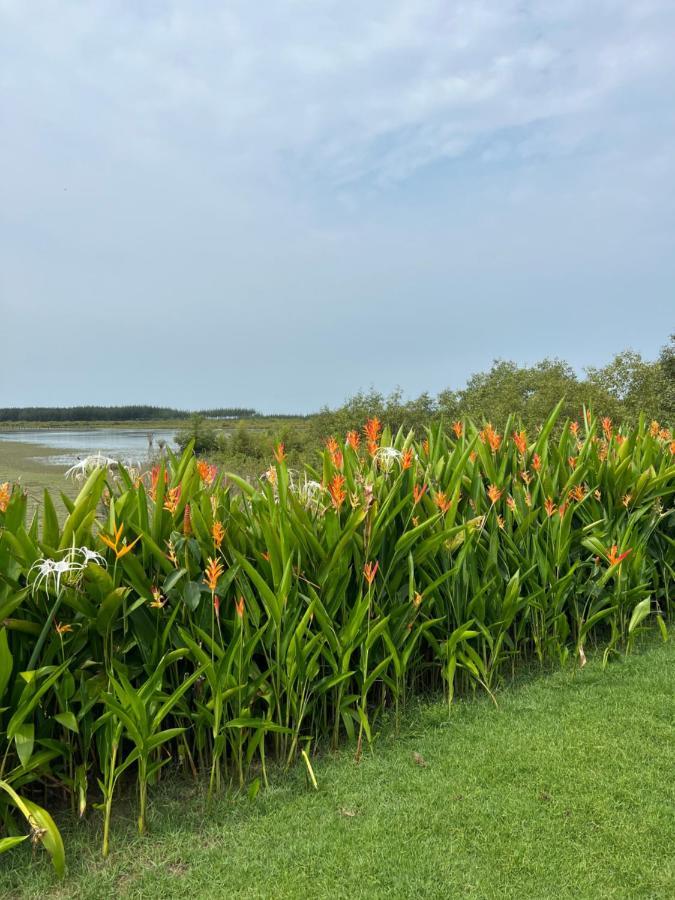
pixel 564 791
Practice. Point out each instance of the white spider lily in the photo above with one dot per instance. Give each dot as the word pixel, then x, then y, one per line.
pixel 48 570
pixel 91 556
pixel 310 494
pixel 387 456
pixel 86 466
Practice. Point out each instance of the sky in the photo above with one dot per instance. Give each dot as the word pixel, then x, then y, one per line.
pixel 277 204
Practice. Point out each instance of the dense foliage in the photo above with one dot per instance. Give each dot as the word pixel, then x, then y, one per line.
pixel 185 616
pixel 112 413
pixel 625 388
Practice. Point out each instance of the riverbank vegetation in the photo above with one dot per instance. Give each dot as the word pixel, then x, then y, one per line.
pixel 184 618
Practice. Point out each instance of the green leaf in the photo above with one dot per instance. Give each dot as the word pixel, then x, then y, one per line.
pixel 9 842
pixel 6 662
pixel 640 613
pixel 192 594
pixel 24 738
pixel 68 720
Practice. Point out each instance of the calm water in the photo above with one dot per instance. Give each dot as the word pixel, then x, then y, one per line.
pixel 125 444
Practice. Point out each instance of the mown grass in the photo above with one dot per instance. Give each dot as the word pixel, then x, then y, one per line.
pixel 565 790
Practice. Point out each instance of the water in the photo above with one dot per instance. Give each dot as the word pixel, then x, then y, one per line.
pixel 129 445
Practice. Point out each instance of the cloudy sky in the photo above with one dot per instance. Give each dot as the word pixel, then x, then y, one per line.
pixel 279 203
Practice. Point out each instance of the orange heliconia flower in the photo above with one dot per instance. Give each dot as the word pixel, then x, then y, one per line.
pixel 332 445
pixel 217 533
pixel 338 459
pixel 62 629
pixel 370 571
pixel 615 557
pixel 207 472
pixel 353 440
pixel 118 549
pixel 280 452
pixel 265 555
pixel 626 499
pixel 620 438
pixel 500 522
pixel 672 448
pixel 549 506
pixel 665 434
pixel 525 475
pixel 5 496
pixel 171 555
pixel 536 462
pixel 158 601
pixel 407 458
pixel 337 491
pixel 239 607
pixel 417 600
pixel 473 456
pixel 511 503
pixel 562 509
pixel 418 493
pixel 607 427
pixel 458 428
pixel 172 499
pixel 489 435
pixel 154 478
pixel 213 572
pixel 373 431
pixel 574 428
pixel 442 502
pixel 520 440
pixel 654 428
pixel 577 493
pixel 494 493
pixel 572 461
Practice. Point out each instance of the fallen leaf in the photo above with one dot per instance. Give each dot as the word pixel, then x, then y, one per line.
pixel 350 813
pixel 418 759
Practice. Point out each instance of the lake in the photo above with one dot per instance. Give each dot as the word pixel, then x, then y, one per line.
pixel 129 445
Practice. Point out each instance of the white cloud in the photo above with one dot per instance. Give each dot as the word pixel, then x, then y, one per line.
pixel 350 90
pixel 299 175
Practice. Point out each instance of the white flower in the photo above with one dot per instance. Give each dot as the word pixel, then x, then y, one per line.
pixel 86 466
pixel 91 556
pixel 310 494
pixel 75 560
pixel 387 456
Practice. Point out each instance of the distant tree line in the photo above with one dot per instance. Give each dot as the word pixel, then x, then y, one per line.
pixel 623 389
pixel 114 413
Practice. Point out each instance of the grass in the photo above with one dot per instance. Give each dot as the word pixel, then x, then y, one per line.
pixel 565 790
pixel 24 463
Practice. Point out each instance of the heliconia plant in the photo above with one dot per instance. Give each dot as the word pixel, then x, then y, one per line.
pixel 187 616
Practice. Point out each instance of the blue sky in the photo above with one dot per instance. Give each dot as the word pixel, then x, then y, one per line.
pixel 276 204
